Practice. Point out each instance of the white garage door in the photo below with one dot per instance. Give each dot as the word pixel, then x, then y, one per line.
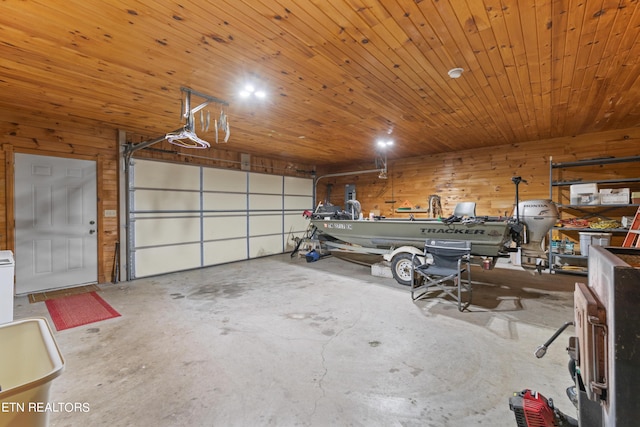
pixel 184 216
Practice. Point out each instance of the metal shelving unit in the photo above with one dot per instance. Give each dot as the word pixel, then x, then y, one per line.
pixel 576 263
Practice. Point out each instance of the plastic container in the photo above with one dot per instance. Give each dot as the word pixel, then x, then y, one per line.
pixel 604 239
pixel 7 267
pixel 584 194
pixel 595 239
pixel 312 256
pixel 568 247
pixel 29 361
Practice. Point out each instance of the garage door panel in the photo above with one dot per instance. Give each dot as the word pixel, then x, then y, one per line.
pixel 166 231
pixel 265 224
pixel 166 259
pixel 225 251
pixel 298 202
pixel 295 223
pixel 224 180
pixel 150 174
pixel 163 200
pixel 298 186
pixel 154 215
pixel 262 183
pixel 224 227
pixel 265 245
pixel 224 202
pixel 264 202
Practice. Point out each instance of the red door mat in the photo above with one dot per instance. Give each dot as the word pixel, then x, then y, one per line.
pixel 77 310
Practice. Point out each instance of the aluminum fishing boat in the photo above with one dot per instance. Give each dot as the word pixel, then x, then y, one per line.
pixel 398 240
pixel 487 236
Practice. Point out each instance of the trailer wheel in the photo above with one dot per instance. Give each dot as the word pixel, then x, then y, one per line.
pixel 401 268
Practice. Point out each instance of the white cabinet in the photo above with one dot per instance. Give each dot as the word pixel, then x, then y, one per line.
pixel 7 268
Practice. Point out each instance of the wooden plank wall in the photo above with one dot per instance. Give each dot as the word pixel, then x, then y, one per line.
pixel 480 175
pixel 72 140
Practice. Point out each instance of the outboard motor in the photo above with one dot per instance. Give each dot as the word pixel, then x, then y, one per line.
pixel 536 217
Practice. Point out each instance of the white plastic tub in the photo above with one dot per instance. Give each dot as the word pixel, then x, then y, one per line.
pixel 7 267
pixel 593 239
pixel 29 361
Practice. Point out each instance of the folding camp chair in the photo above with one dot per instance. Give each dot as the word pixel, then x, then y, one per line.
pixel 451 260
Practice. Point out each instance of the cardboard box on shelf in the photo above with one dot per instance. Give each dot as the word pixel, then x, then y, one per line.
pixel 614 196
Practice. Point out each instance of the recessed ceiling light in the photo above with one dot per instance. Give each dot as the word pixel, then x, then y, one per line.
pixel 454 73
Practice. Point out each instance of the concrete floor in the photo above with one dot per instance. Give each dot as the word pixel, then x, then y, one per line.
pixel 278 341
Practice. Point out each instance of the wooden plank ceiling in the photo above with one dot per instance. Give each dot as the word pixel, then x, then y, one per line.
pixel 338 74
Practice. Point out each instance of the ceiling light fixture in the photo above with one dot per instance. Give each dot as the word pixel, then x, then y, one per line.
pixel 381 160
pixel 384 143
pixel 249 90
pixel 454 73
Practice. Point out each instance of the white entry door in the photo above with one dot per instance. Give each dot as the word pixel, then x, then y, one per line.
pixel 56 229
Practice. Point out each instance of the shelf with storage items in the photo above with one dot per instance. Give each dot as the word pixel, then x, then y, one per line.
pixel 596 198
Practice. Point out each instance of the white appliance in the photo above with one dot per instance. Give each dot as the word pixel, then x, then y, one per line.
pixel 7 268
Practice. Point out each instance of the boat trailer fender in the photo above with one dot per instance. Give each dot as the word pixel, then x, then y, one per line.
pixel 405 249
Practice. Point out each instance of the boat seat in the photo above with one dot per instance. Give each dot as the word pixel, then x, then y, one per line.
pixel 353 207
pixel 449 274
pixel 463 209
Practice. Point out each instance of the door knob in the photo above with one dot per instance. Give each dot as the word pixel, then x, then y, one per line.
pixel 92 231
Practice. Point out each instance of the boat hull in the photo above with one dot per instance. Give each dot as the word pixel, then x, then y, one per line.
pixel 487 238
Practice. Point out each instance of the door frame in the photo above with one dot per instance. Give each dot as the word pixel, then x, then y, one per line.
pixel 10 195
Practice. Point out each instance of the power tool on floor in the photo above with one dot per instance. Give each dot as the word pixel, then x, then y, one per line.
pixel 532 409
pixel 604 361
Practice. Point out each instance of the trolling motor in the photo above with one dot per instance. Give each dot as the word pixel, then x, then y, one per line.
pixel 532 409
